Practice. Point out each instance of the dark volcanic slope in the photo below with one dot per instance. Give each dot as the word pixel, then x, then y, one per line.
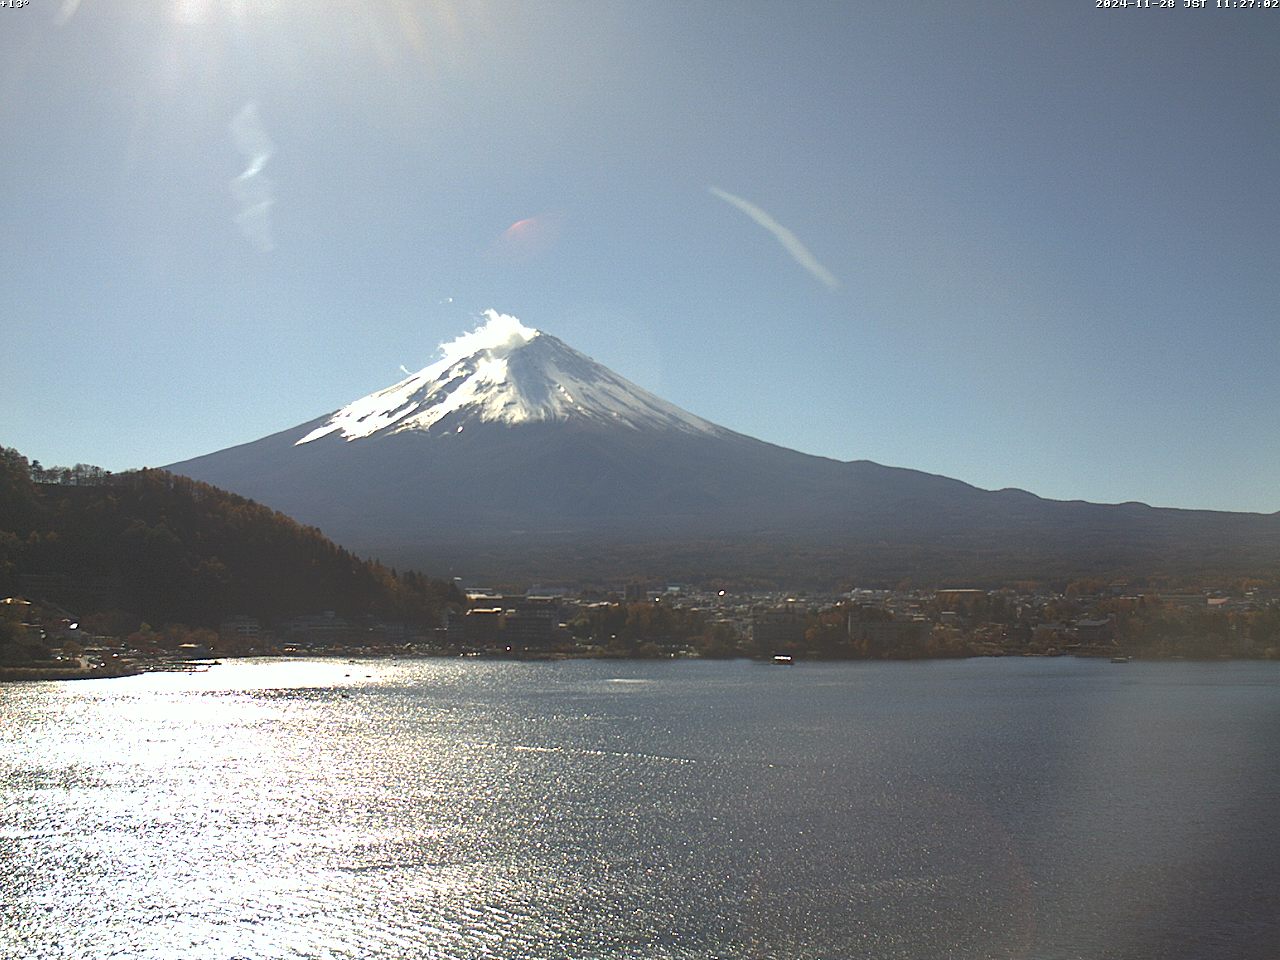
pixel 528 498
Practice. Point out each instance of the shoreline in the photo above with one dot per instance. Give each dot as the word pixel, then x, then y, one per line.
pixel 30 674
pixel 67 673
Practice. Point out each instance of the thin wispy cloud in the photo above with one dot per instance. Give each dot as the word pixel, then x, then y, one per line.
pixel 253 192
pixel 66 12
pixel 790 242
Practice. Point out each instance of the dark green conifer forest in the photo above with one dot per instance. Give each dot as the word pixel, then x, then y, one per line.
pixel 155 547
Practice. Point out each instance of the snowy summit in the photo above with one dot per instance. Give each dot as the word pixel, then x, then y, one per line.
pixel 504 372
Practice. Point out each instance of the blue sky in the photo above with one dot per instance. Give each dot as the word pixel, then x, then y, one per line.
pixel 1040 238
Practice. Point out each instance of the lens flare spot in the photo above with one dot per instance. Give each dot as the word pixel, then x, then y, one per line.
pixel 528 238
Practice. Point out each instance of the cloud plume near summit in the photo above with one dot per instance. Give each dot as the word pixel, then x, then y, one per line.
pixel 790 242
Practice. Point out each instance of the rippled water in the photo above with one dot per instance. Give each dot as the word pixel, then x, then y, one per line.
pixel 974 809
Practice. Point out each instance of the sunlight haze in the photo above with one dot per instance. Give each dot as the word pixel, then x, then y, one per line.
pixel 1022 245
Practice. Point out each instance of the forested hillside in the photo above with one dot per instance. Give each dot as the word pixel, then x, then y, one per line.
pixel 162 548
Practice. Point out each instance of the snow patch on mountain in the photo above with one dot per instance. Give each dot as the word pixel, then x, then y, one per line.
pixel 505 372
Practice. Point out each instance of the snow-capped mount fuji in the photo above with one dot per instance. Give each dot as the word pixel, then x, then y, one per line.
pixel 506 373
pixel 514 455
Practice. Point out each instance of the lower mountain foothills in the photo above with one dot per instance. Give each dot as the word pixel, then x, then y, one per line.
pixel 106 574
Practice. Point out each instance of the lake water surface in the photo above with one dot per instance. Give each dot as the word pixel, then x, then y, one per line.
pixel 1017 808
